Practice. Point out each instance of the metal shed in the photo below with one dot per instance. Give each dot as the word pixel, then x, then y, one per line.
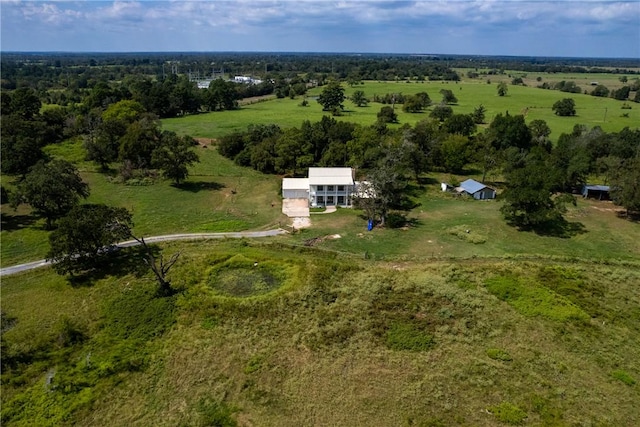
pixel 478 190
pixel 600 192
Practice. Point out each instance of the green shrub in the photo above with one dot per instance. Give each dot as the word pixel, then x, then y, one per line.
pixel 531 300
pixel 214 414
pixel 139 314
pixel 509 413
pixel 402 336
pixel 623 376
pixel 498 354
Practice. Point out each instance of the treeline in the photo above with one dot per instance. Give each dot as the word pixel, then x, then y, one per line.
pixel 81 71
pixel 622 94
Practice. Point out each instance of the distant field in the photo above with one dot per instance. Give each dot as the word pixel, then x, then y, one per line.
pixel 534 103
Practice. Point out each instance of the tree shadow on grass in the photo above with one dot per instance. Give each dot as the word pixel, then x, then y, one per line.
pixel 629 216
pixel 17 222
pixel 559 228
pixel 117 263
pixel 426 180
pixel 196 186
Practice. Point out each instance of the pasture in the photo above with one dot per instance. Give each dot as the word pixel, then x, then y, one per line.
pixel 455 319
pixel 530 101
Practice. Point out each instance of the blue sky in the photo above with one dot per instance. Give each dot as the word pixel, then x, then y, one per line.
pixel 588 28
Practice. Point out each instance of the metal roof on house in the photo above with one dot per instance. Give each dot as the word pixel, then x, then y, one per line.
pixel 330 176
pixel 295 183
pixel 472 186
pixel 597 187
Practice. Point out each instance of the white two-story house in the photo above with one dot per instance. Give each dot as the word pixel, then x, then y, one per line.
pixel 324 187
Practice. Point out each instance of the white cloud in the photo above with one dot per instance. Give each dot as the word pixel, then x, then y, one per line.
pixel 293 22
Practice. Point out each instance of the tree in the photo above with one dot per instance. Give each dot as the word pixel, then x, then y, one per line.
pixel 540 132
pixel 86 235
pixel 159 267
pixel 139 141
pixel 441 112
pixel 387 115
pixel 424 98
pixel 621 94
pixel 412 104
pixel 332 97
pixel 388 183
pixel 625 185
pixel 565 107
pixel 455 152
pixel 509 131
pixel 461 124
pixel 528 201
pixel 174 155
pixel 359 98
pixel 25 103
pixel 600 90
pixel 21 142
pixel 221 95
pixel 293 152
pixel 448 97
pixel 502 89
pixel 478 114
pixel 51 189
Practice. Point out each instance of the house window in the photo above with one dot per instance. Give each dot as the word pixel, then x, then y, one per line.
pixel 330 200
pixel 320 187
pixel 321 200
pixel 341 200
pixel 340 187
pixel 329 187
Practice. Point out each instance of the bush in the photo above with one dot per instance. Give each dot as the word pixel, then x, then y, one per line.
pixel 509 413
pixel 565 107
pixel 403 336
pixel 498 354
pixel 214 414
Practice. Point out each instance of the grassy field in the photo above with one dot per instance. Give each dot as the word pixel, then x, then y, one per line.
pixel 219 196
pixel 338 340
pixel 454 320
pixel 532 102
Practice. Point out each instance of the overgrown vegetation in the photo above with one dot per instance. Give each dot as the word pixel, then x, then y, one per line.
pixel 406 338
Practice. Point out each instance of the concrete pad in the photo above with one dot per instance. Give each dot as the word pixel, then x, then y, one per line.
pixel 294 208
pixel 301 222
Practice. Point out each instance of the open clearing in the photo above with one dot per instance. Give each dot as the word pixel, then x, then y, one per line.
pixel 534 103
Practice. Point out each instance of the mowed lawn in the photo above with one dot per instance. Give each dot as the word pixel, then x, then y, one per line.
pixel 446 226
pixel 534 103
pixel 218 196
